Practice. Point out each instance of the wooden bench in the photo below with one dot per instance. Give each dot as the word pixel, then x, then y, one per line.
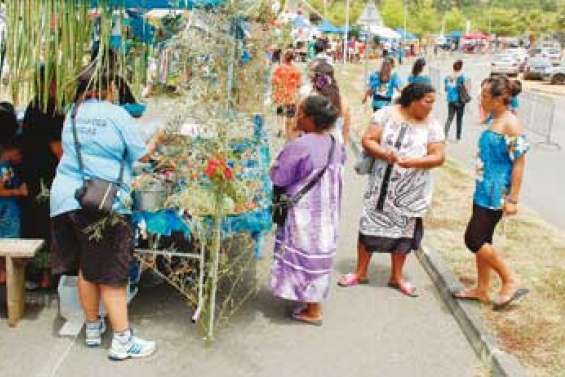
pixel 17 253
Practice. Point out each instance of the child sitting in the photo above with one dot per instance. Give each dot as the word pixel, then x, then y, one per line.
pixel 11 188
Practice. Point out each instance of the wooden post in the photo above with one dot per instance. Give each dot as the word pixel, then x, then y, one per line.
pixel 15 289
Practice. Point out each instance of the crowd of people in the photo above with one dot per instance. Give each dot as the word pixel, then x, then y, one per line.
pixel 97 138
pixel 402 144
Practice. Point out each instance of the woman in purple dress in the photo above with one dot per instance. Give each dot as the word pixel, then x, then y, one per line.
pixel 305 245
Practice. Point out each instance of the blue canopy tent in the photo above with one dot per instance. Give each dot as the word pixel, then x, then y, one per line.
pixel 162 4
pixel 405 35
pixel 327 27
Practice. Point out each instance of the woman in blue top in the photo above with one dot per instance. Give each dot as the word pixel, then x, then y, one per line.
pixel 454 104
pixel 108 138
pixel 383 85
pixel 417 77
pixel 500 168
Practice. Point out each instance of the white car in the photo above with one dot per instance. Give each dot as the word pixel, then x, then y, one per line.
pixel 521 55
pixel 555 75
pixel 536 67
pixel 505 64
pixel 554 55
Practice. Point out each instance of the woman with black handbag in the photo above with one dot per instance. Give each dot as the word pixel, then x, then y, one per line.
pixel 100 144
pixel 309 171
pixel 405 143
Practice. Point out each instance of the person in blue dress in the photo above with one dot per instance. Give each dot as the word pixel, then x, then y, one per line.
pixel 417 77
pixel 455 107
pixel 383 85
pixel 12 189
pixel 500 168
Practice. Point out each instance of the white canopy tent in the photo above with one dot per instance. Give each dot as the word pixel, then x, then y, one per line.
pixel 384 32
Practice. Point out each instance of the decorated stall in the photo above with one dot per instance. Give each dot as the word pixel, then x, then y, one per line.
pixel 202 205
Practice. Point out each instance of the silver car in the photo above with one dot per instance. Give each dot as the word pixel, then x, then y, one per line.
pixel 555 75
pixel 505 64
pixel 536 67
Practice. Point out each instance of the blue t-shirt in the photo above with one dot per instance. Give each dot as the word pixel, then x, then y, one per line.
pixel 514 103
pixel 451 87
pixel 9 208
pixel 383 91
pixel 419 79
pixel 105 132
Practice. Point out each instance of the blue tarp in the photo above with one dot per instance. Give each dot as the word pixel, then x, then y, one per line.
pixel 166 4
pixel 406 35
pixel 327 27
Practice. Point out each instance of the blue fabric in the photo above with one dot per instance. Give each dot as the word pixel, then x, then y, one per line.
pixel 9 207
pixel 166 4
pixel 514 104
pixel 451 88
pixel 163 222
pixel 497 153
pixel 136 110
pixel 420 79
pixel 105 132
pixel 386 89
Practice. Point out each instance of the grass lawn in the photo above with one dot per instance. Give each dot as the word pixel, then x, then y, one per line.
pixel 534 331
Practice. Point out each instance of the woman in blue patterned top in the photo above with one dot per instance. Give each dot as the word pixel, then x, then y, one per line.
pixel 383 85
pixel 417 77
pixel 500 168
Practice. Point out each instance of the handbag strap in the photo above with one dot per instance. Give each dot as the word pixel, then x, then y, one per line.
pixel 389 167
pixel 304 190
pixel 79 154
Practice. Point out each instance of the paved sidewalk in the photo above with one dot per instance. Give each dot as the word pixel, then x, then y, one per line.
pixel 368 331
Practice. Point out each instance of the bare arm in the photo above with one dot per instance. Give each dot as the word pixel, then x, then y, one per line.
pixel 371 142
pixel 434 158
pixel 515 128
pixel 346 123
pixel 56 148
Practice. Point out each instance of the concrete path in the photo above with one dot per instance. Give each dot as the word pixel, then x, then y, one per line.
pixel 368 331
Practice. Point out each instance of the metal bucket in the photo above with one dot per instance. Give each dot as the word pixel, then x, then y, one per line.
pixel 150 198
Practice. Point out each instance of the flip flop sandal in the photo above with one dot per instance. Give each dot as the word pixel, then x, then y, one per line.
pixel 301 317
pixel 350 280
pixel 407 288
pixel 517 295
pixel 457 295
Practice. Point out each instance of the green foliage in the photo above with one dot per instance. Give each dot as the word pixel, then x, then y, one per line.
pixel 454 20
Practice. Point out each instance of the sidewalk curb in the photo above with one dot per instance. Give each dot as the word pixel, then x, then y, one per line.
pixel 469 319
pixel 467 315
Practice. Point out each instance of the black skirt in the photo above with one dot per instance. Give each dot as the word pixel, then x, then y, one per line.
pixel 404 245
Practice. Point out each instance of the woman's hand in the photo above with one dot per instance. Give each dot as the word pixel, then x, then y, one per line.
pixel 405 162
pixel 510 209
pixel 390 156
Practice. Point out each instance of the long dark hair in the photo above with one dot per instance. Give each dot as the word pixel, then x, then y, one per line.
pixel 418 66
pixel 324 83
pixel 386 71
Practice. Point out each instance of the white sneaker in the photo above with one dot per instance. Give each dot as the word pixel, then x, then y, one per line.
pixel 135 348
pixel 94 333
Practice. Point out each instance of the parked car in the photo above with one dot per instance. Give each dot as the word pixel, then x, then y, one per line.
pixel 554 55
pixel 521 55
pixel 555 75
pixel 536 67
pixel 505 64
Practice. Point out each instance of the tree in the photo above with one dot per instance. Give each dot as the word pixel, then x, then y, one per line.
pixel 454 20
pixel 392 12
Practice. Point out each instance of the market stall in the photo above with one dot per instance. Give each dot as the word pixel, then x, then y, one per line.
pixel 202 205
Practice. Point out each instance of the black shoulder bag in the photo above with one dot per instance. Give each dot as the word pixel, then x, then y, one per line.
pixel 282 202
pixel 96 195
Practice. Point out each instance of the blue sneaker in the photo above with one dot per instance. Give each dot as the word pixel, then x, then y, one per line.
pixel 94 332
pixel 134 348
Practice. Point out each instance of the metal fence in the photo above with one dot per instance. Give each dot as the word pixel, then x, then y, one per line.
pixel 535 110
